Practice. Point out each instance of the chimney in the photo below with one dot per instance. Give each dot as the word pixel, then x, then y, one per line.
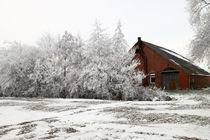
pixel 139 43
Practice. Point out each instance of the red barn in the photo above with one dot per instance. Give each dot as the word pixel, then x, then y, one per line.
pixel 168 70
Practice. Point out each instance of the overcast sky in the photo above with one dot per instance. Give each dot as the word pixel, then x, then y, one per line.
pixel 162 22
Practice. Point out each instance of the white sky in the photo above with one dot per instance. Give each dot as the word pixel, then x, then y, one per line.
pixel 162 22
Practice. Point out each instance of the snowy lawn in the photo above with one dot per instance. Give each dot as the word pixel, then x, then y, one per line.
pixel 188 117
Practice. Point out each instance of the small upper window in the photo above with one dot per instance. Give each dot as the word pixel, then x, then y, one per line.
pixel 152 78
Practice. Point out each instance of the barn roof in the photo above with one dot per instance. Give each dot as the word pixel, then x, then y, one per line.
pixel 183 63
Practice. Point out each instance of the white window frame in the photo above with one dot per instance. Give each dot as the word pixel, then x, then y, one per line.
pixel 152 76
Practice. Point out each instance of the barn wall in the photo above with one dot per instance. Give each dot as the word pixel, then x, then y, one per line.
pixel 198 81
pixel 183 80
pixel 157 63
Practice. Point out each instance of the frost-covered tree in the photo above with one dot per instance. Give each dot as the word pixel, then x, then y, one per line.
pixel 69 50
pixel 46 79
pixel 99 42
pixel 119 44
pixel 97 52
pixel 113 78
pixel 56 72
pixel 47 76
pixel 16 64
pixel 48 41
pixel 109 71
pixel 74 66
pixel 200 20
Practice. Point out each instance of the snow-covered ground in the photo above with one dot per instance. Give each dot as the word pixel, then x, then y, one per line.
pixel 188 117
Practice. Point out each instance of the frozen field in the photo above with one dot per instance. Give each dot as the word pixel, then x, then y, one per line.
pixel 187 118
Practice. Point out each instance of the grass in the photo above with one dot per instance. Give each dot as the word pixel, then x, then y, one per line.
pixel 70 130
pixel 27 129
pixel 4 132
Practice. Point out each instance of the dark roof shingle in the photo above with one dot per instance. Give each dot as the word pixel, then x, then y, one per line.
pixel 183 63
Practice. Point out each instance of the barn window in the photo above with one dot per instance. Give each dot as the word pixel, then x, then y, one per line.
pixel 152 78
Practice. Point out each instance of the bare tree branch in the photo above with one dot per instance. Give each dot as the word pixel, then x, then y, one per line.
pixel 206 2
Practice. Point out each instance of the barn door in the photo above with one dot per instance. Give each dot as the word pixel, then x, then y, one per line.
pixel 172 84
pixel 170 80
